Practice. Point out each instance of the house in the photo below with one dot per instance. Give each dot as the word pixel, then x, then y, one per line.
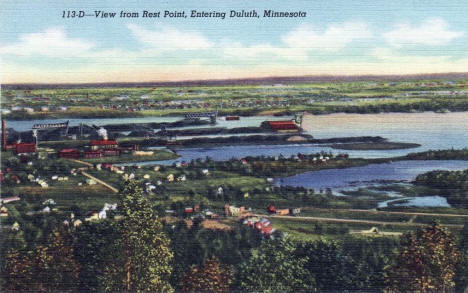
pixel 77 223
pixel 271 209
pixel 295 211
pixel 15 226
pixel 181 178
pixel 90 182
pixel 70 153
pixel 92 216
pixel 170 177
pixel 233 211
pixel 25 148
pixel 107 207
pixel 49 201
pixel 3 212
pixel 282 212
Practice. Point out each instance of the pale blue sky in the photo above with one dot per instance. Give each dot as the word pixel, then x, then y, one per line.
pixel 336 37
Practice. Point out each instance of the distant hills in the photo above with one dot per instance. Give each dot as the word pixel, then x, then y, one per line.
pixel 245 81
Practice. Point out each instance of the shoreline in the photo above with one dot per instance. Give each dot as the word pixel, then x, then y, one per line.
pixel 256 112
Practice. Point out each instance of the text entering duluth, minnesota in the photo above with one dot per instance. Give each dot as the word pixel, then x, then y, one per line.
pixel 181 14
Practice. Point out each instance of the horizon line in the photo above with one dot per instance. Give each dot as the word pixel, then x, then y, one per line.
pixel 250 80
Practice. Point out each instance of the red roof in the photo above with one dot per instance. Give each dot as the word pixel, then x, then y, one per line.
pixel 103 142
pixel 282 125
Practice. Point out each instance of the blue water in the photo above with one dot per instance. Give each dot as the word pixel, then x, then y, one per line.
pixel 358 176
pixel 431 130
pixel 423 201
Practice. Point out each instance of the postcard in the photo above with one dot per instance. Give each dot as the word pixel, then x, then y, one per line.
pixel 234 146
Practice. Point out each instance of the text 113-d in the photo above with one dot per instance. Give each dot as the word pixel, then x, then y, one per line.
pixel 73 14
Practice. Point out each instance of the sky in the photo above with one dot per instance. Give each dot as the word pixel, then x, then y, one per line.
pixel 337 37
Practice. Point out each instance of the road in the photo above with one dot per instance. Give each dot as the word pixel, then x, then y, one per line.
pixel 89 166
pixel 389 213
pixel 353 221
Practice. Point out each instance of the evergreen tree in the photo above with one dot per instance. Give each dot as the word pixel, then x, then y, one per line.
pixel 145 264
pixel 426 262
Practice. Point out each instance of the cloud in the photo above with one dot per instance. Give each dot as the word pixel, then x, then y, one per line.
pixel 297 44
pixel 431 32
pixel 334 38
pixel 52 42
pixel 167 38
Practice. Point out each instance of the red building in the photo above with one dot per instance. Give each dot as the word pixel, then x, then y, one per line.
pixel 103 144
pixel 25 148
pixel 93 154
pixel 70 154
pixel 111 152
pixel 283 126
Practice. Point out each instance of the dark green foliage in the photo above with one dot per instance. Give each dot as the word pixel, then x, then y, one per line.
pixel 193 246
pixel 142 259
pixel 452 184
pixel 94 243
pixel 461 278
pixel 274 267
pixel 46 268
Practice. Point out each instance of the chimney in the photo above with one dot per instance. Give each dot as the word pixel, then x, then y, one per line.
pixel 4 135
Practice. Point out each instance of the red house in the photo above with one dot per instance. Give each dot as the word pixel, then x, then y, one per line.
pixel 70 154
pixel 25 148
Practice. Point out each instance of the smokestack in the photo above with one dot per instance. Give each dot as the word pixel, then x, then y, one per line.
pixel 4 135
pixel 102 132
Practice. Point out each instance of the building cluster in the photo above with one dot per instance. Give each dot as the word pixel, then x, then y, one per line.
pixel 95 149
pixel 262 225
pixel 282 212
